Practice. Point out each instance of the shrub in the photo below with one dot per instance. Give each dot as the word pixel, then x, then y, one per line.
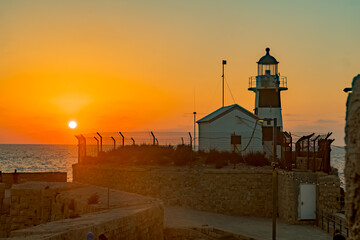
pixel 256 159
pixel 183 155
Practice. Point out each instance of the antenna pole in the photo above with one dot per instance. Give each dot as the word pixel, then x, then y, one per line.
pixel 223 76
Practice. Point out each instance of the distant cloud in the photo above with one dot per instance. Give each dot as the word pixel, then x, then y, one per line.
pixel 290 115
pixel 322 121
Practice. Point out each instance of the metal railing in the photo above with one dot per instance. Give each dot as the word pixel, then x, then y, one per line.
pixel 330 223
pixel 267 82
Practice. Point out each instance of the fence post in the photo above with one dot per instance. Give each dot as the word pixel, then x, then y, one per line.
pixel 182 141
pixel 152 134
pixel 123 138
pixel 133 140
pixel 100 141
pixel 81 147
pixel 157 142
pixel 97 143
pixel 190 140
pixel 114 142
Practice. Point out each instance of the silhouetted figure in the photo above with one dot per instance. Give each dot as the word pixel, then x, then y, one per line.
pixel 90 236
pixel 0 177
pixel 338 235
pixel 103 237
pixel 15 177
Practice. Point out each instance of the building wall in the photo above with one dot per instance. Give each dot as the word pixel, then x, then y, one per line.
pixel 217 134
pixel 228 191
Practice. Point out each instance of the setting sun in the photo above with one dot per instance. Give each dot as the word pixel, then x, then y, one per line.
pixel 72 124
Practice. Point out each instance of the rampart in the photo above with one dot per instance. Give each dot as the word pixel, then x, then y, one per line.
pixel 245 192
pixel 9 178
pixel 352 167
pixel 53 211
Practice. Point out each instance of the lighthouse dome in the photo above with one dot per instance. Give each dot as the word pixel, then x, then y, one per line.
pixel 267 59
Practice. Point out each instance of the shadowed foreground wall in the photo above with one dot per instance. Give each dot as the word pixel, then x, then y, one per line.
pixel 61 211
pixel 228 191
pixel 352 167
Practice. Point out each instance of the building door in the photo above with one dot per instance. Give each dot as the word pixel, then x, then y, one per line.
pixel 307 204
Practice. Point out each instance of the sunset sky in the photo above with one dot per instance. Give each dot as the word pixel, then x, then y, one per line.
pixel 135 65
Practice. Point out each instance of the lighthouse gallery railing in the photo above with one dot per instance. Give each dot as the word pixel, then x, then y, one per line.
pixel 267 82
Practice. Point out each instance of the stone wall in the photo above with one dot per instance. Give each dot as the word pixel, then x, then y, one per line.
pixel 229 191
pixel 286 196
pixel 68 204
pixel 352 167
pixel 303 164
pixel 8 178
pixel 329 194
pixel 131 223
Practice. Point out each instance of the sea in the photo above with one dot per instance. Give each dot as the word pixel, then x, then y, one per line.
pixel 59 158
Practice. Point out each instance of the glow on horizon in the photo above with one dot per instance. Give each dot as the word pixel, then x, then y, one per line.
pixel 125 65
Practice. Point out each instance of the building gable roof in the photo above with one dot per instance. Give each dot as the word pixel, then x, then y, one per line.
pixel 223 111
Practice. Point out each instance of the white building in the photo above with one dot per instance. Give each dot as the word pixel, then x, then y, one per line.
pixel 255 135
pixel 230 128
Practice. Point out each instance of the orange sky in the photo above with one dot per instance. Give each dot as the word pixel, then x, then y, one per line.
pixel 147 65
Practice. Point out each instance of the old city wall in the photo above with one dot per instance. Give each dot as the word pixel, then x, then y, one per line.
pixel 327 194
pixel 352 166
pixel 229 191
pixel 9 178
pixel 59 207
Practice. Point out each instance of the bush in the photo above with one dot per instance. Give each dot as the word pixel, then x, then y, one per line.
pixel 256 159
pixel 179 156
pixel 183 155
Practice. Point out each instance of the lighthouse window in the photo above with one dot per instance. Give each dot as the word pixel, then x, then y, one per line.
pixel 269 98
pixel 270 69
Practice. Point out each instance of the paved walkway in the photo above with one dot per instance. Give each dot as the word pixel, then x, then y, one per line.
pixel 260 228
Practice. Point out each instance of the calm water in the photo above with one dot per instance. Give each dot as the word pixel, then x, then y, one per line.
pixel 59 158
pixel 38 158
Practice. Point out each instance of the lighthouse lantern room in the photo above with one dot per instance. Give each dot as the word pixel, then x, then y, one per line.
pixel 267 86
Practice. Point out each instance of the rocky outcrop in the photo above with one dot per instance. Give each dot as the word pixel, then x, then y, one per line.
pixel 352 168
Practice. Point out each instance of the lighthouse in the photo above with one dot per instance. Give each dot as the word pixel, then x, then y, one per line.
pixel 267 86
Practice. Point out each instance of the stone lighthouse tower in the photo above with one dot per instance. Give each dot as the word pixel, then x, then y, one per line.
pixel 267 86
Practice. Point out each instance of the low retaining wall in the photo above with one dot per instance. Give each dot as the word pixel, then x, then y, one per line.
pixel 10 178
pixel 54 211
pixel 246 192
pixel 132 223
